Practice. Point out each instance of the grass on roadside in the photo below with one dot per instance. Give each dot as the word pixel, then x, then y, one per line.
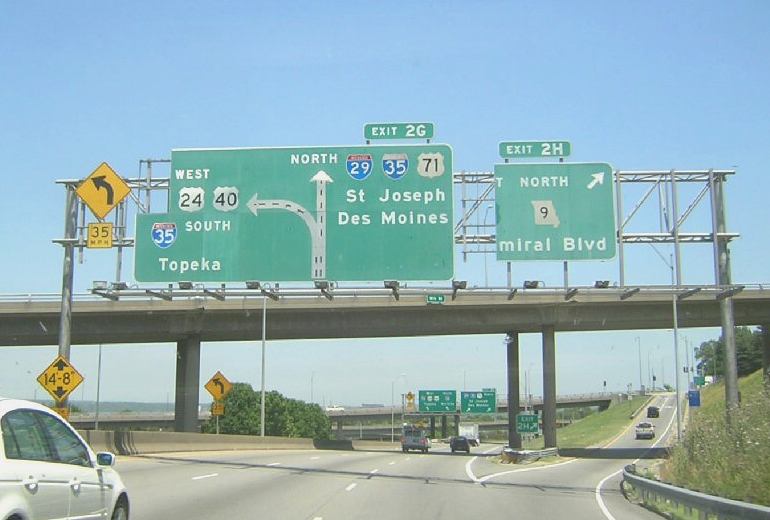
pixel 594 430
pixel 731 461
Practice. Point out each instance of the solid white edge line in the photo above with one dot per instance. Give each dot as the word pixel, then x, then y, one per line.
pixel 598 490
pixel 351 486
pixel 200 477
pixel 598 495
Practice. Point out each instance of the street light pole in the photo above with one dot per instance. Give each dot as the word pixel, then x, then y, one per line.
pixel 392 409
pixel 639 347
pixel 262 399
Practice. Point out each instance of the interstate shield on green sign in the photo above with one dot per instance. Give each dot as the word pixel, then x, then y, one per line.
pixel 558 211
pixel 297 214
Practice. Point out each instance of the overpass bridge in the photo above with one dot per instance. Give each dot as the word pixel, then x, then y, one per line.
pixel 191 316
pixel 164 421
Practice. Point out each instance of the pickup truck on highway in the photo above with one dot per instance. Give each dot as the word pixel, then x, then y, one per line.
pixel 645 430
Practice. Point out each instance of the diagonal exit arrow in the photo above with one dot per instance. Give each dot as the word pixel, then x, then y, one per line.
pixel 101 182
pixel 598 178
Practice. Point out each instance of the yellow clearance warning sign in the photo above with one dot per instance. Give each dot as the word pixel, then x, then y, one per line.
pixel 60 379
pixel 103 190
pixel 99 235
pixel 218 386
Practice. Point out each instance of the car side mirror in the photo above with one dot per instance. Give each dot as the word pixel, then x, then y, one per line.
pixel 105 458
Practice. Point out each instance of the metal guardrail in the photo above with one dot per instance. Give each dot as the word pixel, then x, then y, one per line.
pixel 652 491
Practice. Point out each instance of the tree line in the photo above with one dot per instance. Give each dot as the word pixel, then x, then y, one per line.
pixel 284 417
pixel 748 345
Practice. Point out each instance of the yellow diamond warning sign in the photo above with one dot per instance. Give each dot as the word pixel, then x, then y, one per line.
pixel 60 379
pixel 103 190
pixel 218 386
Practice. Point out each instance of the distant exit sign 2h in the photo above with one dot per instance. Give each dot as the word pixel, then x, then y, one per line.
pixel 529 149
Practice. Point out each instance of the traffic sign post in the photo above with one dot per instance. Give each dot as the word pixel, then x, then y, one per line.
pixel 529 149
pixel 356 213
pixel 374 131
pixel 437 401
pixel 103 190
pixel 527 423
pixel 478 402
pixel 59 379
pixel 558 211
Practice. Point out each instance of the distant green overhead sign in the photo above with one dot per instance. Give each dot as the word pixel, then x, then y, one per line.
pixel 558 211
pixel 374 131
pixel 529 149
pixel 478 402
pixel 296 214
pixel 437 401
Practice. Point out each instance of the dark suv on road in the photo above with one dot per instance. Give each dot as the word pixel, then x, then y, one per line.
pixel 653 411
pixel 460 444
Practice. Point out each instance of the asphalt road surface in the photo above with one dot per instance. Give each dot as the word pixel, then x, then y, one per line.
pixel 331 485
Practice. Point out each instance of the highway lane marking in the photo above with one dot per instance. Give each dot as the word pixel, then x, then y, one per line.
pixel 391 463
pixel 373 471
pixel 314 458
pixel 274 464
pixel 598 495
pixel 598 490
pixel 201 477
pixel 351 486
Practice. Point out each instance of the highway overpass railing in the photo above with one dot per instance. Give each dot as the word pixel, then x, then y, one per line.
pixel 662 497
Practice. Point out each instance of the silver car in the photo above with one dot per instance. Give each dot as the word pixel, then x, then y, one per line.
pixel 47 471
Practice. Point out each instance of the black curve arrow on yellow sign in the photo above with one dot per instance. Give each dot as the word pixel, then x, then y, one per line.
pixel 99 183
pixel 219 383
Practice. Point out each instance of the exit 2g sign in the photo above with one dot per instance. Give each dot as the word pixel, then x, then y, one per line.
pixel 398 131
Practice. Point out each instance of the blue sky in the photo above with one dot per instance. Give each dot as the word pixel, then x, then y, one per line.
pixel 645 85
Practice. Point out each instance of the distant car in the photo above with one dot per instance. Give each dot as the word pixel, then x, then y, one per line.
pixel 334 408
pixel 48 471
pixel 460 444
pixel 645 430
pixel 653 411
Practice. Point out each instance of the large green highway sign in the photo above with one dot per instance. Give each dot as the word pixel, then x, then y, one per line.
pixel 296 214
pixel 559 211
pixel 478 402
pixel 437 401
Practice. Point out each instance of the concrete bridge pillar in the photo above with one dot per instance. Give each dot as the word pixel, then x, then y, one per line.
pixel 188 365
pixel 443 426
pixel 549 386
pixel 432 426
pixel 512 339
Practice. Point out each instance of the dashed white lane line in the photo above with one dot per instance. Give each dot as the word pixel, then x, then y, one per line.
pixel 201 477
pixel 351 486
pixel 274 464
pixel 373 471
pixel 391 463
pixel 314 458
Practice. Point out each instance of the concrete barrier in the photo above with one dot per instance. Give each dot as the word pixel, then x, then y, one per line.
pixel 136 443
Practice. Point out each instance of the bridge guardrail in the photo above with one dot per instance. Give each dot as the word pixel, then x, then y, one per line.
pixel 653 492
